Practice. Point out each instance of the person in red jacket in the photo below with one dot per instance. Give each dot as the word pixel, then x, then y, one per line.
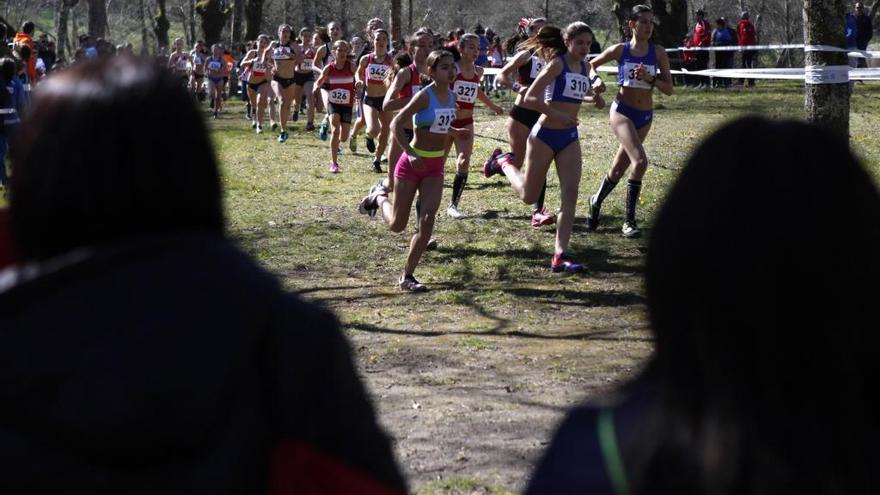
pixel 745 32
pixel 702 38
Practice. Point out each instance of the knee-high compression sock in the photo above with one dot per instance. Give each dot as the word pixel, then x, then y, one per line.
pixel 633 188
pixel 458 187
pixel 605 189
pixel 539 205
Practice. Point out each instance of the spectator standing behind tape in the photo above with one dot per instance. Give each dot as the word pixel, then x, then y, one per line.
pixel 702 38
pixel 483 57
pixel 864 30
pixel 723 36
pixel 746 36
pixel 689 62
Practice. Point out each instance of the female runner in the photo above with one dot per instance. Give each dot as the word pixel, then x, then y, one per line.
pixel 178 61
pixel 341 91
pixel 642 65
pixel 420 167
pixel 197 71
pixel 258 88
pixel 215 68
pixel 407 82
pixel 375 69
pixel 286 55
pixel 466 87
pixel 555 136
pixel 304 78
pixel 324 57
pixel 526 65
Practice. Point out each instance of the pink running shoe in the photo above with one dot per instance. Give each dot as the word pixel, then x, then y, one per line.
pixel 490 168
pixel 543 217
pixel 334 168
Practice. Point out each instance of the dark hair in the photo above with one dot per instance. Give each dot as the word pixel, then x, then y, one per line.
pixel 478 29
pixel 86 171
pixel 762 276
pixel 7 72
pixel 323 34
pixel 402 59
pixel 549 42
pixel 638 10
pixel 24 52
pixel 435 56
pixel 27 27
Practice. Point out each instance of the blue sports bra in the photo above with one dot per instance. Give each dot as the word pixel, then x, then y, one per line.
pixel 438 116
pixel 569 86
pixel 626 67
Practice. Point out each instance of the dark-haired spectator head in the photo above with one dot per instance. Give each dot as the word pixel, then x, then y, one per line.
pixel 28 28
pixel 85 173
pixel 744 15
pixel 478 29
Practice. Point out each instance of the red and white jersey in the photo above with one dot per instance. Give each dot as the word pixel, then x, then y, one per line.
pixel 181 61
pixel 341 91
pixel 415 83
pixel 465 89
pixel 376 71
pixel 308 63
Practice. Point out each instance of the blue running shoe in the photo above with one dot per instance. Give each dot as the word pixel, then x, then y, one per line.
pixel 563 263
pixel 282 137
pixel 322 133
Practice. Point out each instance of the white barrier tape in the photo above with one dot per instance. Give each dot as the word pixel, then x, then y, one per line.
pixel 808 48
pixel 7 111
pixel 781 74
pixel 826 74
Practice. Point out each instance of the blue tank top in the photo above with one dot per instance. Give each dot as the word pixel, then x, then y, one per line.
pixel 569 86
pixel 626 67
pixel 438 116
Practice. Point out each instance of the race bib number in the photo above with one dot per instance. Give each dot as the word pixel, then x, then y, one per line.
pixel 215 65
pixel 182 64
pixel 537 65
pixel 630 81
pixel 443 118
pixel 465 91
pixel 259 67
pixel 377 72
pixel 307 64
pixel 198 61
pixel 416 88
pixel 340 96
pixel 281 53
pixel 576 86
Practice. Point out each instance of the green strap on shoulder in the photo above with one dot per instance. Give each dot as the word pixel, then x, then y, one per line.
pixel 611 452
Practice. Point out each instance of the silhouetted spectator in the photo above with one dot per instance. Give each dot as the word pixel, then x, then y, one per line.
pixel 142 351
pixel 864 30
pixel 25 39
pixel 764 367
pixel 702 38
pixel 723 36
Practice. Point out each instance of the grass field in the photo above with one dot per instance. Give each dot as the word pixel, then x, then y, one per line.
pixel 471 378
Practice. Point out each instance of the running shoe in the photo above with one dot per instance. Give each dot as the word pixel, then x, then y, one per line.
pixel 563 263
pixel 409 283
pixel 310 126
pixel 491 168
pixel 371 145
pixel 431 245
pixel 259 129
pixel 593 215
pixel 370 204
pixel 322 132
pixel 274 126
pixel 543 217
pixel 334 168
pixel 353 144
pixel 254 124
pixel 631 230
pixel 453 212
pixel 295 116
pixel 377 166
pixel 282 137
pixel 215 114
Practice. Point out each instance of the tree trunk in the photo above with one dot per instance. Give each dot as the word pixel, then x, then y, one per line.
pixel 97 18
pixel 214 16
pixel 395 21
pixel 145 37
pixel 62 15
pixel 237 13
pixel 192 21
pixel 826 104
pixel 670 16
pixel 253 18
pixel 162 25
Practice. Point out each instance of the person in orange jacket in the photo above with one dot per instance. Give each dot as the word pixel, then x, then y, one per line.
pixel 25 37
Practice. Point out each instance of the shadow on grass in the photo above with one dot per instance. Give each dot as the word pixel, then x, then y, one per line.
pixel 600 335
